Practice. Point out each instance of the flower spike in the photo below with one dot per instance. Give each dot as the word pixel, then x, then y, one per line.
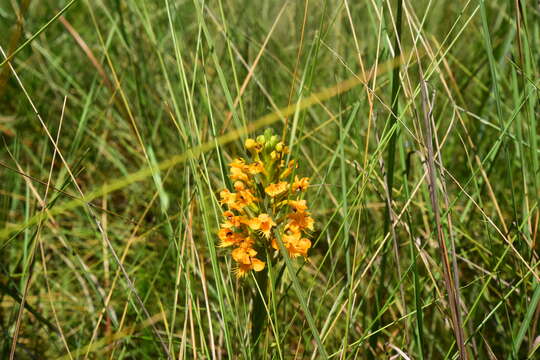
pixel 264 202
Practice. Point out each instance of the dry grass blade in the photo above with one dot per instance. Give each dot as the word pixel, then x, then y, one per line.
pixel 450 285
pixel 88 52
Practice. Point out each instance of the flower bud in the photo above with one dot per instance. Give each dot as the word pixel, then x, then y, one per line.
pixel 274 140
pixel 268 134
pixel 250 144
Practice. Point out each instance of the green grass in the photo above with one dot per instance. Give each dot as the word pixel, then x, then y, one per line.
pixel 416 121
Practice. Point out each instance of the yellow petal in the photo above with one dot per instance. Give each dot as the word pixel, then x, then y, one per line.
pixel 257 264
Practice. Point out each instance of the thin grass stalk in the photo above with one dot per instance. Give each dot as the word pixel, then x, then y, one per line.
pixel 447 272
pixel 392 125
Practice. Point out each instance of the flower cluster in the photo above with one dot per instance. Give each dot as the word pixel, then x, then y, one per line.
pixel 266 199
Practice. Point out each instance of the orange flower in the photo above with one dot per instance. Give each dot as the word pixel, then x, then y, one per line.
pixel 243 254
pixel 255 168
pixel 228 215
pixel 245 198
pixel 264 223
pixel 238 174
pixel 302 220
pixel 228 237
pixel 255 264
pixel 294 242
pixel 227 197
pixel 238 163
pixel 299 247
pixel 292 233
pixel 247 242
pixel 238 170
pixel 298 205
pixel 276 189
pixel 232 220
pixel 238 185
pixel 300 184
pixel 236 201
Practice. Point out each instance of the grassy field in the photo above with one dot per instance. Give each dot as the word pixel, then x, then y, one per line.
pixel 416 122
